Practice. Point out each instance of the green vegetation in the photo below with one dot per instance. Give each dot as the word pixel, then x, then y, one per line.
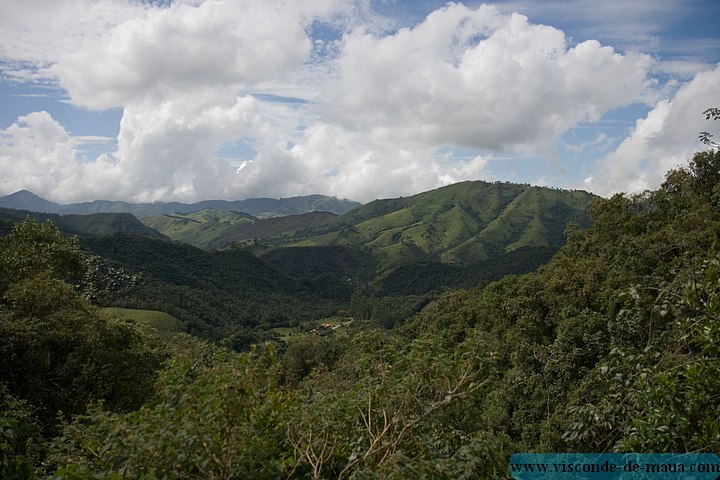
pixel 209 291
pixel 452 237
pixel 57 352
pixel 257 207
pixel 100 224
pixel 462 223
pixel 611 346
pixel 106 224
pixel 166 325
pixel 200 228
pixel 210 229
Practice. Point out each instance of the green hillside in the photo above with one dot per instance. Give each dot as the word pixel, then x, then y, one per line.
pixel 202 228
pixel 105 224
pixel 450 237
pixel 463 223
pixel 210 228
pixel 208 289
pixel 165 324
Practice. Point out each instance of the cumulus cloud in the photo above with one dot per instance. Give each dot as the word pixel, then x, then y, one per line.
pixel 335 161
pixel 167 150
pixel 37 153
pixel 169 51
pixel 664 139
pixel 481 79
pixel 164 152
pixel 376 115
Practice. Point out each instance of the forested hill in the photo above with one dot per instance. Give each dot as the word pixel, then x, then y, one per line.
pixel 217 289
pixel 98 224
pixel 450 237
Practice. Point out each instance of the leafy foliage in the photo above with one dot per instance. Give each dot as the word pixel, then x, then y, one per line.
pixel 707 137
pixel 20 437
pixel 57 353
pixel 611 346
pixel 33 248
pixel 223 288
pixel 216 415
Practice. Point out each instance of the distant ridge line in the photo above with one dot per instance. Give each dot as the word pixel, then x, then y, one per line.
pixel 259 207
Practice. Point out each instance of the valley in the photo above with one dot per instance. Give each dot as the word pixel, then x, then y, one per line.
pixel 219 270
pixel 454 327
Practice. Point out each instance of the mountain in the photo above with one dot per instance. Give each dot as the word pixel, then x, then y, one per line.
pixel 200 228
pixel 272 207
pixel 257 207
pixel 211 228
pixel 25 200
pixel 453 236
pixel 458 224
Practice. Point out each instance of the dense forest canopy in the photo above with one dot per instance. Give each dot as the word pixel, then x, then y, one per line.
pixel 611 346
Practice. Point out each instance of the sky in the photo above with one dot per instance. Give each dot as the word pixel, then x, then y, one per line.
pixel 186 100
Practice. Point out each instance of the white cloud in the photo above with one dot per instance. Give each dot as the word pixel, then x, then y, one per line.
pixel 518 86
pixel 176 72
pixel 35 34
pixel 664 139
pixel 172 50
pixel 381 108
pixel 36 153
pixel 335 161
pixel 167 150
pixel 164 152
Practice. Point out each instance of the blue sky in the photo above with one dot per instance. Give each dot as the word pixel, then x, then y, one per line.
pixel 193 99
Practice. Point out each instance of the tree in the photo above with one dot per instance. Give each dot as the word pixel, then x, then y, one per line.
pixel 707 137
pixel 57 351
pixel 20 437
pixel 217 414
pixel 33 247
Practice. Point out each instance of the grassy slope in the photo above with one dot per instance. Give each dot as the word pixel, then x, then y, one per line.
pixel 164 323
pixel 200 228
pixel 209 228
pixel 462 223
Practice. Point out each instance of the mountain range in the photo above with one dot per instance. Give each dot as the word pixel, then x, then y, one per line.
pixel 454 236
pixel 449 237
pixel 257 207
